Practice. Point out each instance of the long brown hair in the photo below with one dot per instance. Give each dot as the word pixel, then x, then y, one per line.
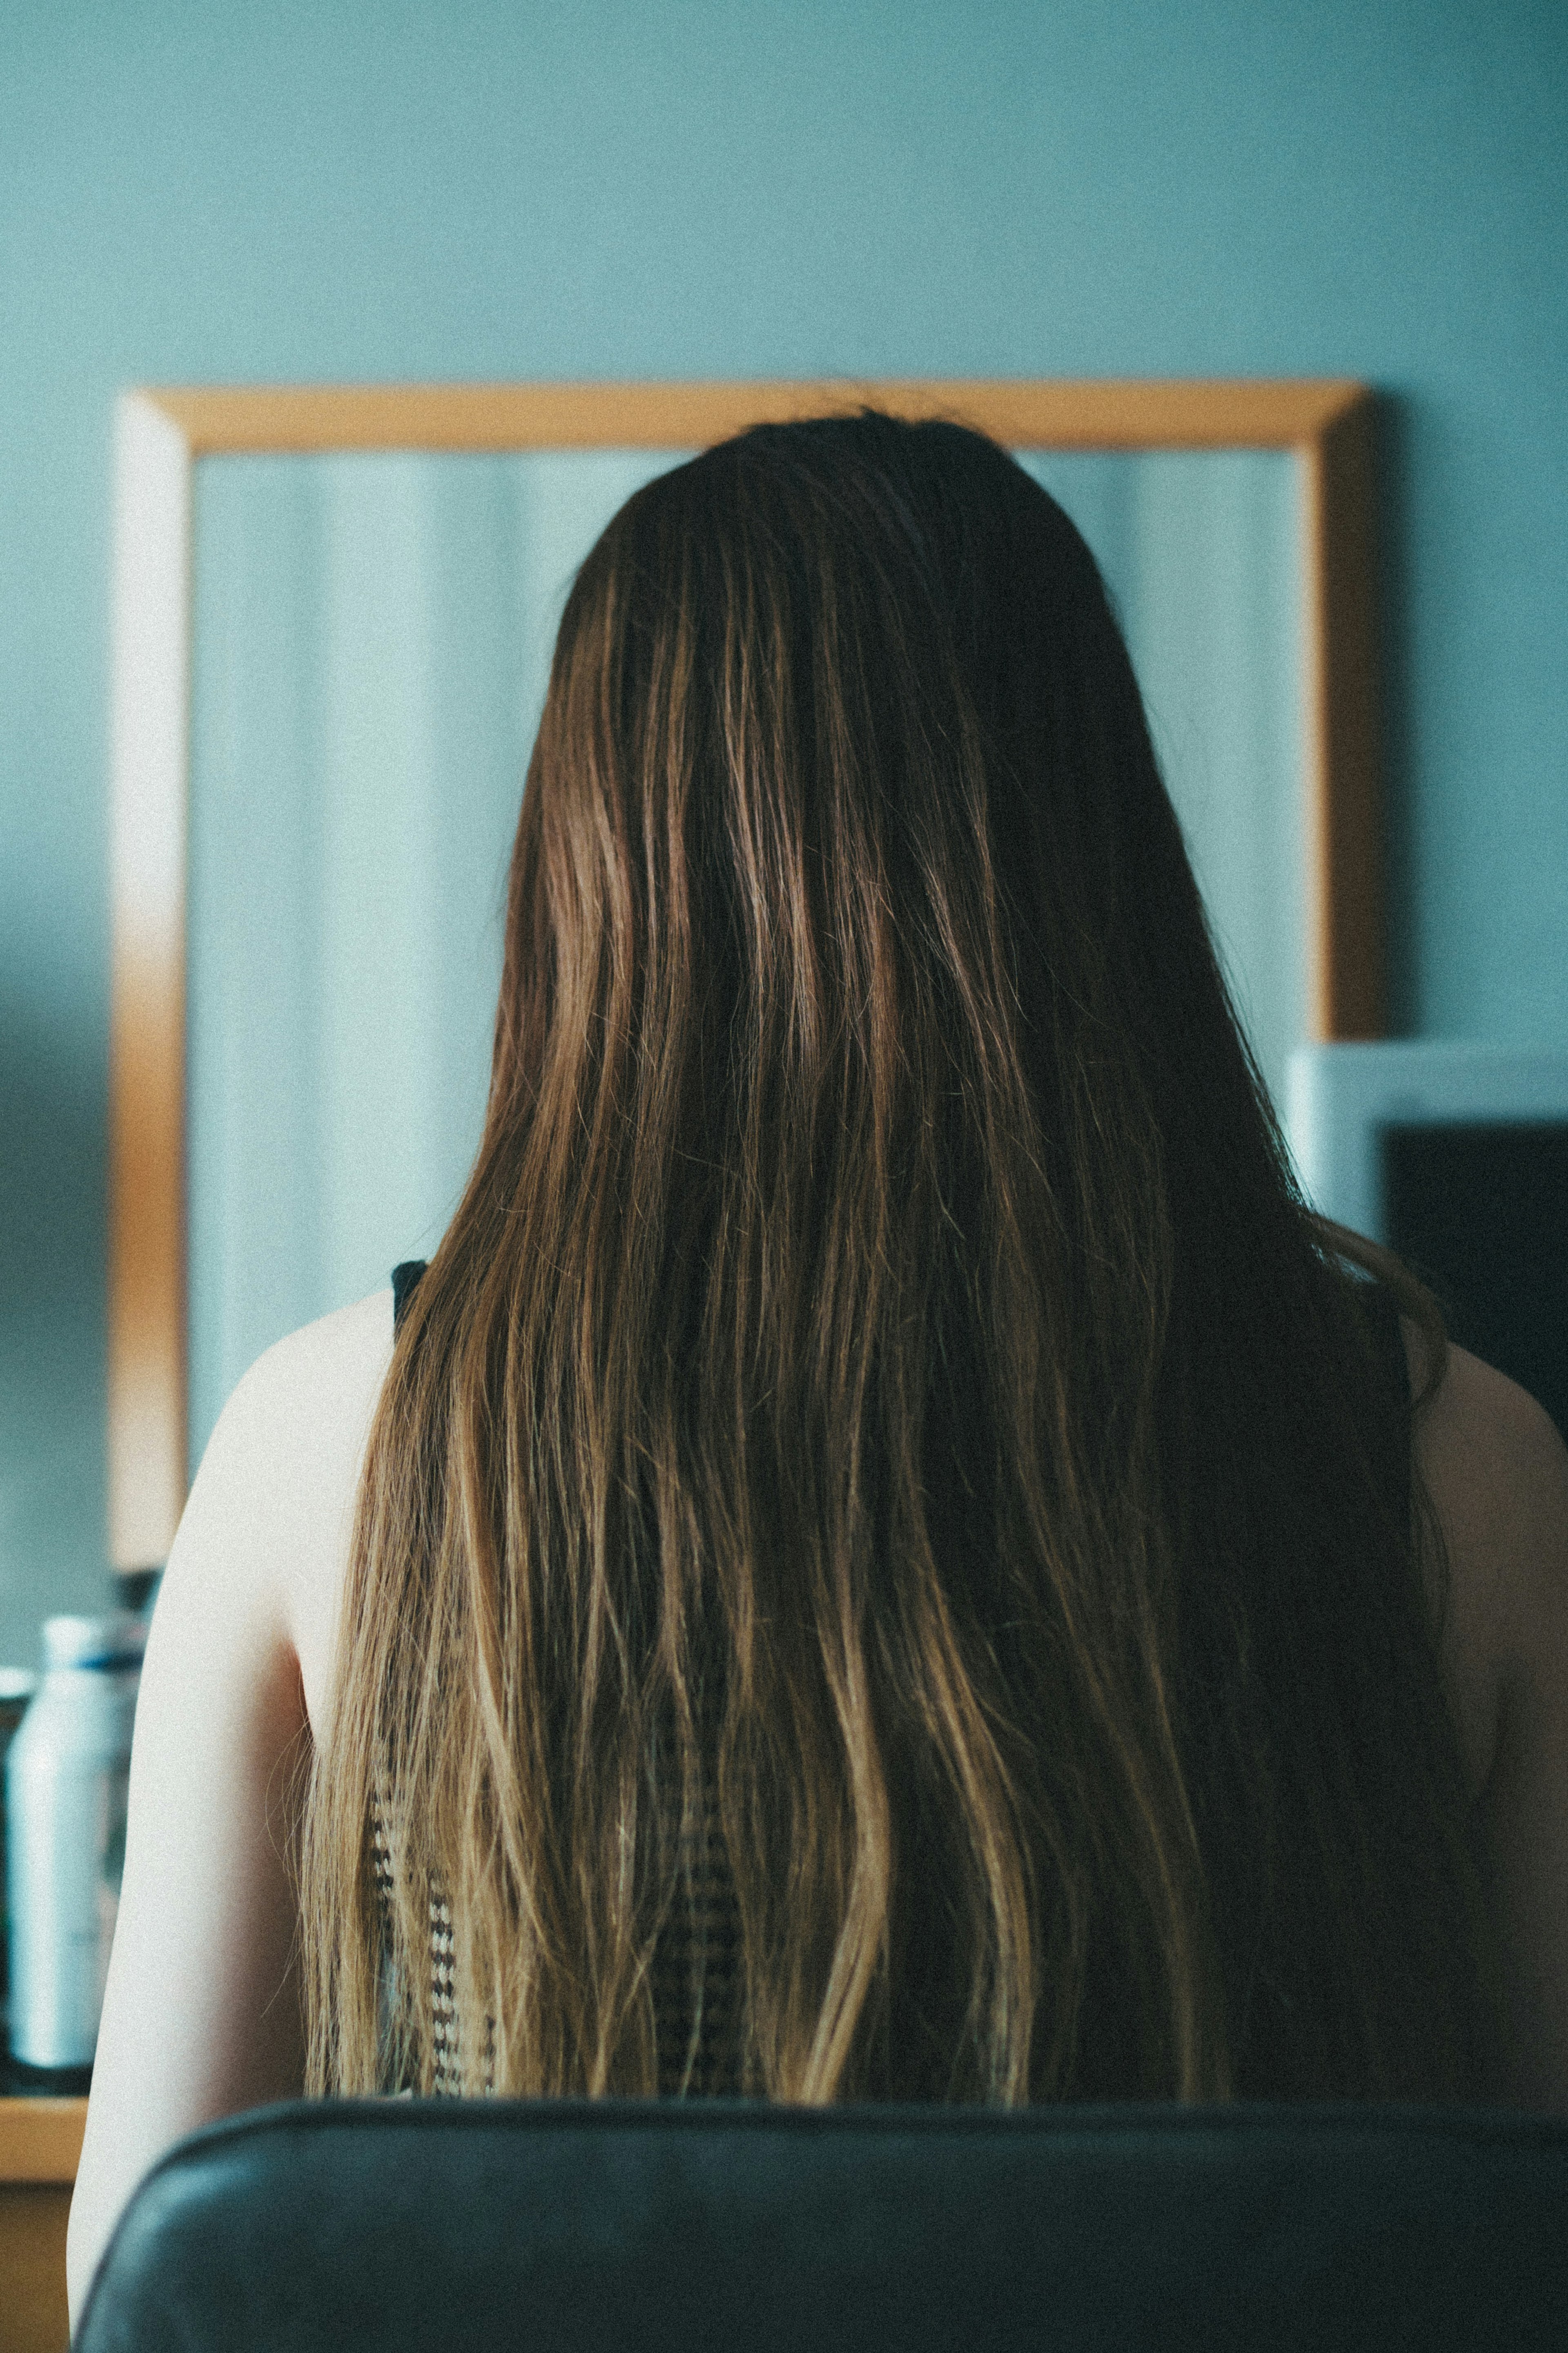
pixel 882 1338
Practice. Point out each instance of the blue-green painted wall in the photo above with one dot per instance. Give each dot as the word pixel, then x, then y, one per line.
pixel 192 192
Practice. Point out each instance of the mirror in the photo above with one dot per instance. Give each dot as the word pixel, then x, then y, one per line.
pixel 365 648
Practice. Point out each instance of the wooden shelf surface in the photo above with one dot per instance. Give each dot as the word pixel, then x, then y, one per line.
pixel 40 2140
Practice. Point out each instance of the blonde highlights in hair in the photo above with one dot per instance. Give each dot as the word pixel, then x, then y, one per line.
pixel 881 1348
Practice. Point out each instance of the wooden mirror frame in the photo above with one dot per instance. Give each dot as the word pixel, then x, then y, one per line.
pixel 161 436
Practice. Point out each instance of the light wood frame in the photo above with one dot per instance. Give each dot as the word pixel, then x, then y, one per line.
pixel 162 435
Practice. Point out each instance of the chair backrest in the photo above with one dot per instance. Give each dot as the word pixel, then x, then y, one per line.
pixel 578 2224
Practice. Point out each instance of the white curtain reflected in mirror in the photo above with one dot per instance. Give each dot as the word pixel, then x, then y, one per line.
pixel 371 645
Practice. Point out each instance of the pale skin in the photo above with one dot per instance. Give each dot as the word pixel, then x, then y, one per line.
pixel 201 2017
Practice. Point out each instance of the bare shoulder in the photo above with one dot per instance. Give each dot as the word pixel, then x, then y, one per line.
pixel 276 1490
pixel 206 1939
pixel 324 1376
pixel 1498 1469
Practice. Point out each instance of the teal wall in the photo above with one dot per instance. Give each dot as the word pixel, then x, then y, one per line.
pixel 486 188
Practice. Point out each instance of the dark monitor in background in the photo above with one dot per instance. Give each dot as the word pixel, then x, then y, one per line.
pixel 1456 1155
pixel 1480 1212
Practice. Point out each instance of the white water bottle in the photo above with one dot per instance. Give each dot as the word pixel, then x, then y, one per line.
pixel 66 1777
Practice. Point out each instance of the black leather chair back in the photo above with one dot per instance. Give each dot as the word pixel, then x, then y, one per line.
pixel 577 2226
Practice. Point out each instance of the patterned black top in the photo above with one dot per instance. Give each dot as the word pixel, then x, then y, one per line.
pixel 695 1963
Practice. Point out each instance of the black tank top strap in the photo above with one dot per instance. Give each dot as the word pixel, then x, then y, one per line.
pixel 404 1277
